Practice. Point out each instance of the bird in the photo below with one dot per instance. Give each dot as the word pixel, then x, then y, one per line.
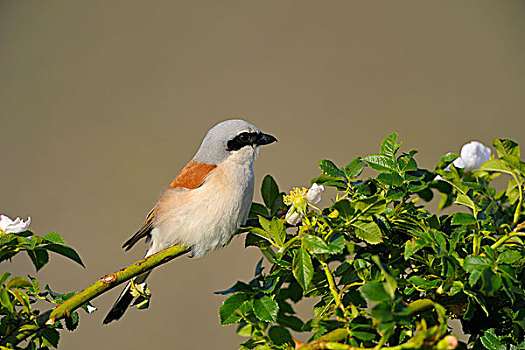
pixel 206 203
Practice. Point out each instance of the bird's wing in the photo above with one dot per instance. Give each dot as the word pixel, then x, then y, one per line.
pixel 191 177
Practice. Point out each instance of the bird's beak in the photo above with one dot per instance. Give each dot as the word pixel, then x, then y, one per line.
pixel 264 139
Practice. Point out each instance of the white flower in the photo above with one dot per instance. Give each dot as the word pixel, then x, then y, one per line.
pixel 292 217
pixel 472 156
pixel 300 199
pixel 9 226
pixel 314 193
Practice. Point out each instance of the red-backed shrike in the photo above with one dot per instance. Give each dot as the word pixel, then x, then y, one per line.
pixel 207 202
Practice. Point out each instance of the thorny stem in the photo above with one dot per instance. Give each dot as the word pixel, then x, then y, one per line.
pixel 99 287
pixel 332 286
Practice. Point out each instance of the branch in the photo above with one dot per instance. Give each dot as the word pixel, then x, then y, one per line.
pixel 99 287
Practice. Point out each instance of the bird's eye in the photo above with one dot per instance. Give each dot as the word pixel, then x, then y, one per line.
pixel 244 138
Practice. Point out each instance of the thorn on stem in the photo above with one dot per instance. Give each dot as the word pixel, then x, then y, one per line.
pixel 50 322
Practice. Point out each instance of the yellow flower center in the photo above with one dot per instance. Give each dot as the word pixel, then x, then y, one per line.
pixel 296 197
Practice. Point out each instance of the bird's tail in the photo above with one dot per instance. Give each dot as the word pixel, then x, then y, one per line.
pixel 124 300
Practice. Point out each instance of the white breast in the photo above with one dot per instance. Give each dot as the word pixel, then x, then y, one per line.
pixel 207 217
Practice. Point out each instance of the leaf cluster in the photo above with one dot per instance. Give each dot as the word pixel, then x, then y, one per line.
pixel 21 298
pixel 384 270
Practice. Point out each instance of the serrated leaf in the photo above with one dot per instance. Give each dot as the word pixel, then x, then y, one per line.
pixel 389 145
pixel 354 168
pixel 506 147
pixel 491 341
pixel 315 245
pixel 463 219
pixel 390 179
pixel 265 308
pixel 65 251
pixel 476 263
pixel 303 269
pixel 412 247
pixel 229 312
pixel 368 231
pixel 497 165
pixel 381 162
pixel 509 257
pixel 329 168
pixel 269 190
pixel 337 245
pixel 54 237
pixel 465 200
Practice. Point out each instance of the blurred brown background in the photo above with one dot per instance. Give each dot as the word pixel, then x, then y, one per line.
pixel 103 102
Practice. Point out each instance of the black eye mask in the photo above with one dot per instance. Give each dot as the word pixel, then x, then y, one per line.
pixel 241 140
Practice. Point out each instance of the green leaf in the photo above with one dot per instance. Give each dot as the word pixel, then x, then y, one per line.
pixel 381 162
pixel 303 269
pixel 265 308
pixel 65 251
pixel 329 168
pixel 463 219
pixel 412 247
pixel 425 284
pixel 344 208
pixel 280 336
pixel 497 165
pixel 5 301
pixel 260 232
pixel 506 147
pixel 22 298
pixel 315 245
pixel 363 335
pixel 54 237
pixel 18 282
pixel 375 292
pixel 72 321
pixel 476 263
pixel 389 145
pixel 509 257
pixel 4 277
pixel 354 168
pixel 368 231
pixel 257 209
pixel 465 200
pixel 39 257
pixel 50 336
pixel 491 341
pixel 390 179
pixel 337 245
pixel 269 190
pixel 229 312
